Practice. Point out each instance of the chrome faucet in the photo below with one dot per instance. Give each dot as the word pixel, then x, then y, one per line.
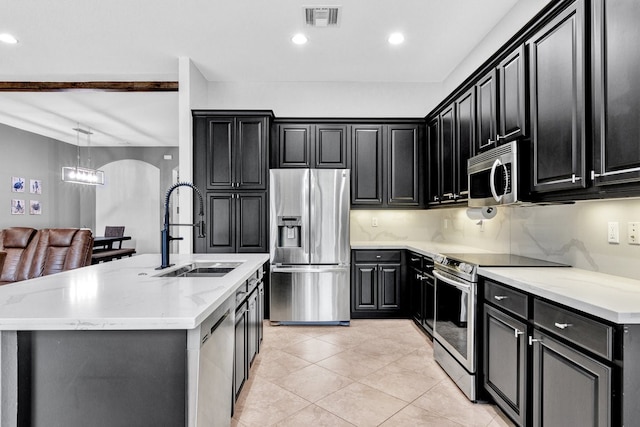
pixel 165 237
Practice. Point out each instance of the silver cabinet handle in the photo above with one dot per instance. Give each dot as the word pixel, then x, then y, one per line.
pixel 415 259
pixel 500 297
pixel 378 256
pixel 517 332
pixel 532 340
pixel 561 325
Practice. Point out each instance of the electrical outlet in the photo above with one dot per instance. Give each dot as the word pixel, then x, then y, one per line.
pixel 374 222
pixel 613 232
pixel 632 233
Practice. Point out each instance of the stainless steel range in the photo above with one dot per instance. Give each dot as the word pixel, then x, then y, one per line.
pixel 454 331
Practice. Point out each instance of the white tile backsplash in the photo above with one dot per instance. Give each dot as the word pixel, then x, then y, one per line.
pixel 575 234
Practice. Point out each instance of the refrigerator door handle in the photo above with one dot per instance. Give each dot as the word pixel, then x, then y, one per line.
pixel 305 269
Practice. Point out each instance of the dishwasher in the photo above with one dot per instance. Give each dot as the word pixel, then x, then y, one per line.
pixel 215 367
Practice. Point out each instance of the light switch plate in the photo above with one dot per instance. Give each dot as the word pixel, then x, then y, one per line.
pixel 613 232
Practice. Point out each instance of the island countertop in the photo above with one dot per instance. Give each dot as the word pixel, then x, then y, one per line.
pixel 123 295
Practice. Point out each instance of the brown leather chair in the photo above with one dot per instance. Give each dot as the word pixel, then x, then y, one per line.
pixel 61 249
pixel 3 255
pixel 19 245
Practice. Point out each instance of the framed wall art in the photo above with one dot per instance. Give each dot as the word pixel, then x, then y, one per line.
pixel 17 184
pixel 34 207
pixel 17 207
pixel 35 186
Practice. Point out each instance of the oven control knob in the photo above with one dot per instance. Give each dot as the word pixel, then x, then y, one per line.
pixel 466 268
pixel 439 259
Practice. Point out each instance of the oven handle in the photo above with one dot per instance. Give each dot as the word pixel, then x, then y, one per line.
pixel 450 281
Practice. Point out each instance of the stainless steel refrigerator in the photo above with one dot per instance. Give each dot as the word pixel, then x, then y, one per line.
pixel 309 246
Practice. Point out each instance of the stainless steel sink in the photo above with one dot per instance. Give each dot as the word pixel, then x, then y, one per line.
pixel 202 269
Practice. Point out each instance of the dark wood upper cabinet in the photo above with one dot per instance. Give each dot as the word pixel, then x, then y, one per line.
pixel 501 102
pixel 557 69
pixel 433 161
pixel 331 146
pixel 366 168
pixel 448 163
pixel 616 91
pixel 486 111
pixel 512 96
pixel 322 146
pixel 230 152
pixel 465 140
pixel 404 153
pixel 294 146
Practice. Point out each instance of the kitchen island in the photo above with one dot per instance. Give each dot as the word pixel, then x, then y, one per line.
pixel 114 343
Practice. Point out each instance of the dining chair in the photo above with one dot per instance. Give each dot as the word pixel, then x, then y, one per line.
pixel 114 231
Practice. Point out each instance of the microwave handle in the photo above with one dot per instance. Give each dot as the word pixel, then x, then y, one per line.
pixel 492 176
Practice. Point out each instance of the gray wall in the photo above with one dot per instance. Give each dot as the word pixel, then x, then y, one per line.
pixel 32 156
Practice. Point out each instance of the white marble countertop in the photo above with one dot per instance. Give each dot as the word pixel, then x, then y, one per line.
pixel 122 294
pixel 613 298
pixel 609 297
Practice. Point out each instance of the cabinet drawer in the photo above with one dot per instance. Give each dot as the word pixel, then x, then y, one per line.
pixel 580 330
pixel 415 261
pixel 509 299
pixel 378 256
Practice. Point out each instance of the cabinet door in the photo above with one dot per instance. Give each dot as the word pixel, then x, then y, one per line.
pixel 219 153
pixel 433 155
pixel 505 361
pixel 512 99
pixel 220 224
pixel 294 146
pixel 252 327
pixel 389 286
pixel 251 219
pixel 557 66
pixel 366 165
pixel 331 146
pixel 448 167
pixel 365 283
pixel 487 119
pixel 569 388
pixel 465 140
pixel 403 165
pixel 616 97
pixel 417 295
pixel 251 153
pixel 240 366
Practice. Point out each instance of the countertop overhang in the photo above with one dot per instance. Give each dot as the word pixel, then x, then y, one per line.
pixel 122 295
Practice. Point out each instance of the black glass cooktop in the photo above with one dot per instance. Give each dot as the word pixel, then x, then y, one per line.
pixel 500 260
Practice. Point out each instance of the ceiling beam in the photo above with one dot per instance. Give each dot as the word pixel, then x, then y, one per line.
pixel 153 86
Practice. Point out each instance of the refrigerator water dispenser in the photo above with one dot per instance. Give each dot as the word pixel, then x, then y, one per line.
pixel 289 228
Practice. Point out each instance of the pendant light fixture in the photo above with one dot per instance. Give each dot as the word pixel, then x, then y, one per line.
pixel 78 174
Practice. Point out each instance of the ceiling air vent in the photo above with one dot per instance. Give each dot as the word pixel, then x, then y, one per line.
pixel 322 16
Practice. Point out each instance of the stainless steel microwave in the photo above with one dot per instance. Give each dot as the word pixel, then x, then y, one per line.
pixel 493 176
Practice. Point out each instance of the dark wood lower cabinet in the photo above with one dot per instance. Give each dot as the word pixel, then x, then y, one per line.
pixel 569 387
pixel 505 363
pixel 377 287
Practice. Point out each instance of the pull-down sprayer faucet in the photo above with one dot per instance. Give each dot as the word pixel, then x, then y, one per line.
pixel 165 237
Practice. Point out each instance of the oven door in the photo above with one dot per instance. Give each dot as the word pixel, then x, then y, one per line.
pixel 454 323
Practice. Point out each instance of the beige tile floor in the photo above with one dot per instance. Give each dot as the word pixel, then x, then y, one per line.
pixel 372 373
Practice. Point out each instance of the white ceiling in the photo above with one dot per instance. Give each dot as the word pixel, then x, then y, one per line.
pixel 229 41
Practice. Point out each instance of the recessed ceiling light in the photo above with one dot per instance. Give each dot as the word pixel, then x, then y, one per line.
pixel 299 39
pixel 396 38
pixel 8 38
